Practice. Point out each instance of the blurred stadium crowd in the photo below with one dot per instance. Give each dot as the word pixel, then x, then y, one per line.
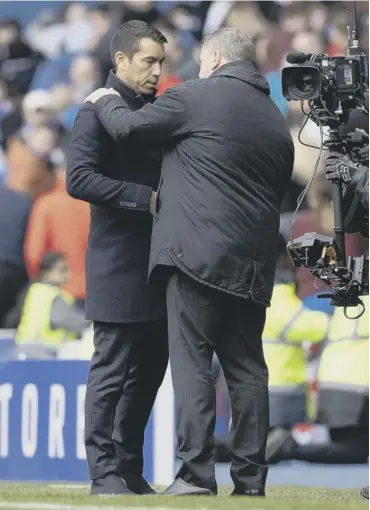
pixel 52 61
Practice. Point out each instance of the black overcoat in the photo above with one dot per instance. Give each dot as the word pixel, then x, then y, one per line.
pixel 117 179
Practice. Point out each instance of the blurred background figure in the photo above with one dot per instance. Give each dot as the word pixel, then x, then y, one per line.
pixel 45 314
pixel 69 32
pixel 15 208
pixel 60 224
pixel 18 59
pixel 35 148
pixel 84 77
pixel 343 382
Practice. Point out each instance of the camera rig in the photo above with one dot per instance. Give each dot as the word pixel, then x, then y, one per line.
pixel 320 254
pixel 333 87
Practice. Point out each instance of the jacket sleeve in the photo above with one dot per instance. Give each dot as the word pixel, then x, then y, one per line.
pixel 85 162
pixel 155 124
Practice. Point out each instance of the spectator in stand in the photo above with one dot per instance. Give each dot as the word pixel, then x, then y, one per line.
pixel 15 208
pixel 343 400
pixel 143 10
pixel 63 97
pixel 169 77
pixel 18 61
pixel 31 153
pixel 70 34
pixel 45 315
pixel 61 224
pixel 84 76
pixel 10 115
pixel 308 42
pixel 104 27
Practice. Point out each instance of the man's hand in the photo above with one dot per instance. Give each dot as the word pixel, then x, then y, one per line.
pixel 339 166
pixel 97 94
pixel 153 203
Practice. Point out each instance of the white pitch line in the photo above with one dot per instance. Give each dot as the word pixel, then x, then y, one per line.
pixel 58 506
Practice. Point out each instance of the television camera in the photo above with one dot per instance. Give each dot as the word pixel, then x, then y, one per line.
pixel 333 87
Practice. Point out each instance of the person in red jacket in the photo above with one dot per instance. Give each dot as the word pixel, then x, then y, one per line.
pixel 61 224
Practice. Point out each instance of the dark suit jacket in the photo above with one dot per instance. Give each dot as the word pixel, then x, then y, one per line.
pixel 117 180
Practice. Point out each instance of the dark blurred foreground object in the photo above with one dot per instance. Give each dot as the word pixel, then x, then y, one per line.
pixel 365 492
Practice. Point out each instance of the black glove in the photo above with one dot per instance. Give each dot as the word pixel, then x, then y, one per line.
pixel 363 156
pixel 339 166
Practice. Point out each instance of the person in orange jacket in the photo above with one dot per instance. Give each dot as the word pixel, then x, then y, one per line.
pixel 59 223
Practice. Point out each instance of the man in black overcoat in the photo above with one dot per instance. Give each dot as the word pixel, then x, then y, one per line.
pixel 119 180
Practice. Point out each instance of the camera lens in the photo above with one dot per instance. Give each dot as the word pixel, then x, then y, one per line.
pixel 304 84
pixel 301 82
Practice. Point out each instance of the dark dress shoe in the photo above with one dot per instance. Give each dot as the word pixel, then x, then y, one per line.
pixel 182 488
pixel 110 484
pixel 249 492
pixel 137 484
pixel 365 492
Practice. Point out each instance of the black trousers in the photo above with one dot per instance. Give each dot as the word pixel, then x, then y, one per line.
pixel 348 445
pixel 125 373
pixel 202 321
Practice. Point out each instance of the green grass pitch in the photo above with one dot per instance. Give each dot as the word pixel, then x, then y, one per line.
pixel 62 497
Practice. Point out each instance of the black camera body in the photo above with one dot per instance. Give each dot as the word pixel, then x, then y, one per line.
pixel 338 83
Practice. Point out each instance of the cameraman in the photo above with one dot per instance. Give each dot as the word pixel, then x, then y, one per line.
pixel 355 180
pixel 354 177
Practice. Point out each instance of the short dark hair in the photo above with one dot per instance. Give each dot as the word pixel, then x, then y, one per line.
pixel 127 38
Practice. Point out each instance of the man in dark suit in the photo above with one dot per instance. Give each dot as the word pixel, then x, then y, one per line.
pixel 130 332
pixel 228 160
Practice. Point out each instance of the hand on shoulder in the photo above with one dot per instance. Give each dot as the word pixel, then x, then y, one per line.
pixel 98 93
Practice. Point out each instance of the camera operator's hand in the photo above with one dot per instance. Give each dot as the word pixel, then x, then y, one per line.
pixel 363 156
pixel 339 166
